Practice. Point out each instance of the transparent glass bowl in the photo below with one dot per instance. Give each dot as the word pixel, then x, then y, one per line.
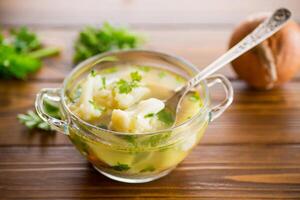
pixel 142 157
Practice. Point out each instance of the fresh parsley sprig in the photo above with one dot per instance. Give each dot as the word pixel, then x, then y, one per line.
pixel 32 121
pixel 92 41
pixel 21 53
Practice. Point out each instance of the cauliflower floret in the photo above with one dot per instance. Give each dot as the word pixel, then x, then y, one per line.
pixel 138 119
pixel 86 107
pixel 124 101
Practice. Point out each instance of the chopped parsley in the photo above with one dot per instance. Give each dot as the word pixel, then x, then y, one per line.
pixel 148 169
pixel 121 167
pixel 195 97
pixel 179 79
pixel 103 79
pixel 93 73
pixel 145 68
pixel 135 76
pixel 126 87
pixel 157 139
pixel 131 139
pixel 161 74
pixel 165 116
pixel 149 115
pixel 110 70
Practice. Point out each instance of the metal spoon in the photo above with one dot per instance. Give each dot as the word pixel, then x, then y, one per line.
pixel 267 28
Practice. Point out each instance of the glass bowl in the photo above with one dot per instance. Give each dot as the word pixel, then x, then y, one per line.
pixel 127 157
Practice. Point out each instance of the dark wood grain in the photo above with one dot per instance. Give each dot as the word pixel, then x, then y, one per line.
pixel 221 171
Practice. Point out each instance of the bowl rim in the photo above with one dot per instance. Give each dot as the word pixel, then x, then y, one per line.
pixel 92 59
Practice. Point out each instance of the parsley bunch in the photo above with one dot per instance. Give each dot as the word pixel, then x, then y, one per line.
pixel 21 53
pixel 92 41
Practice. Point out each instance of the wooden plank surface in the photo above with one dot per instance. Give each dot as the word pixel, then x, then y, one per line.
pixel 60 172
pixel 250 152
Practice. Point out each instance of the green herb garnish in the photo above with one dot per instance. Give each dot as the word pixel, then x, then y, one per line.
pixel 135 76
pixel 161 74
pixel 149 115
pixel 165 116
pixel 110 70
pixel 145 68
pixel 131 139
pixel 179 79
pixel 103 79
pixel 92 41
pixel 195 97
pixel 157 139
pixel 21 54
pixel 32 120
pixel 121 167
pixel 126 87
pixel 93 73
pixel 148 169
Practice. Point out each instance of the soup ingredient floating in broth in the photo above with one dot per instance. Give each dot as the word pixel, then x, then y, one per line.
pixel 129 99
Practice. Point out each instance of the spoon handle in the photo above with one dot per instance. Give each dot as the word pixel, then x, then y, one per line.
pixel 267 28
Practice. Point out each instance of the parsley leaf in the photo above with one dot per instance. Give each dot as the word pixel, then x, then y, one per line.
pixel 195 97
pixel 121 167
pixel 148 169
pixel 93 73
pixel 103 79
pixel 135 76
pixel 149 115
pixel 126 87
pixel 24 41
pixel 161 74
pixel 144 68
pixel 165 116
pixel 33 121
pixel 157 139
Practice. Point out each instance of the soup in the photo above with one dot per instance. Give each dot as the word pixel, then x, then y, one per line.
pixel 130 100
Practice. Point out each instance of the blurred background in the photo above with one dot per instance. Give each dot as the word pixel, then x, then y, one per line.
pixel 196 30
pixel 141 13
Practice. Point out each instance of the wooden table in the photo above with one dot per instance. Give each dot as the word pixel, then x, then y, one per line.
pixel 251 152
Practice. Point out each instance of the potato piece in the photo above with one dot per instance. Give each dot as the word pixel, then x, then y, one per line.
pixel 141 118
